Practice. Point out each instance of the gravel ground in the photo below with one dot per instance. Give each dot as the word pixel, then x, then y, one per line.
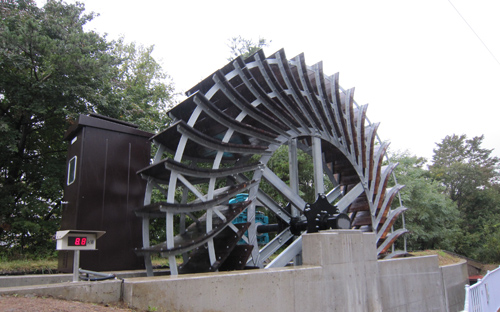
pixel 39 304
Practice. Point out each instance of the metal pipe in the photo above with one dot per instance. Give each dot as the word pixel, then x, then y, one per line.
pixel 267 228
pixel 103 276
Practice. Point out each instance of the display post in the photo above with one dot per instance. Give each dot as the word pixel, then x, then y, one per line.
pixel 76 265
pixel 77 240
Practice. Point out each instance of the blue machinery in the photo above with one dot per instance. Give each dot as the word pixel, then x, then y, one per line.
pixel 260 219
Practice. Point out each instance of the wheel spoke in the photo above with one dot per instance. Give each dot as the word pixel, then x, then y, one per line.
pixel 278 241
pixel 334 194
pixel 287 255
pixel 284 189
pixel 270 204
pixel 349 198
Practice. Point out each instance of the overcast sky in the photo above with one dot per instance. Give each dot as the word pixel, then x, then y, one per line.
pixel 424 73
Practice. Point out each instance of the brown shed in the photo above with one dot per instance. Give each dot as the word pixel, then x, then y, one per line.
pixel 102 190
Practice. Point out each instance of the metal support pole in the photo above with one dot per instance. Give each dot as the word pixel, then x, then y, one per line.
pixel 293 164
pixel 318 165
pixel 294 171
pixel 76 265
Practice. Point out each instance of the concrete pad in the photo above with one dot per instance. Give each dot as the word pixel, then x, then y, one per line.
pixel 98 292
pixel 39 279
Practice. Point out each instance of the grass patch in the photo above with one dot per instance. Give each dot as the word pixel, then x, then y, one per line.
pixel 25 266
pixel 443 257
pixel 158 261
pixel 49 265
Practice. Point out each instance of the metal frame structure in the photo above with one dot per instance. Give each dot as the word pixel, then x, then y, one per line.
pixel 220 142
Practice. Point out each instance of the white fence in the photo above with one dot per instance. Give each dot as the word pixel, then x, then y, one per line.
pixel 484 296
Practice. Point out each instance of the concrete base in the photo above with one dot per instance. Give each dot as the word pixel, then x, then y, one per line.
pixel 47 279
pixel 275 290
pixel 406 283
pixel 29 280
pixel 455 276
pixel 98 292
pixel 340 273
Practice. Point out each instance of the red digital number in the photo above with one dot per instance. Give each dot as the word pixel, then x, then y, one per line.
pixel 77 241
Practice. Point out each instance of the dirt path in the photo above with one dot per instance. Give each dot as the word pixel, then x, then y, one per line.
pixel 39 304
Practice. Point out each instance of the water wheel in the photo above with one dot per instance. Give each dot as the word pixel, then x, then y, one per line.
pixel 221 143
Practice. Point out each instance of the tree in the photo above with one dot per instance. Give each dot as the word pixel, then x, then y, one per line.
pixel 464 167
pixel 279 164
pixel 141 91
pixel 432 218
pixel 51 71
pixel 470 176
pixel 245 47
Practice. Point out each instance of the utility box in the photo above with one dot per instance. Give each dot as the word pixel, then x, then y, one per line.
pixel 102 190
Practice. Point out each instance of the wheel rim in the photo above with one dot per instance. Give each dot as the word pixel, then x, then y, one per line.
pixel 244 112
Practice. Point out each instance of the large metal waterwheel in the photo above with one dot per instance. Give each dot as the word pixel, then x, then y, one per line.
pixel 219 145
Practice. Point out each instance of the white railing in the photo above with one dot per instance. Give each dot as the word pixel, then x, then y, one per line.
pixel 484 296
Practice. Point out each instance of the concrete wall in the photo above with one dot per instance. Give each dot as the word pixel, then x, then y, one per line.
pixel 412 284
pixel 455 277
pixel 259 290
pixel 345 282
pixel 349 279
pixel 340 273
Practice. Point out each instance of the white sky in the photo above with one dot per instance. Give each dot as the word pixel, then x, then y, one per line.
pixel 417 64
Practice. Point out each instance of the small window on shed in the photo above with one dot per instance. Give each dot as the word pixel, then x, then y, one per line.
pixel 72 170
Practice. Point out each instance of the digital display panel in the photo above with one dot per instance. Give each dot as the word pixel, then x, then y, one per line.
pixel 77 241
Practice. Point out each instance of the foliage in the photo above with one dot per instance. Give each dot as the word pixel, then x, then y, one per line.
pixel 464 167
pixel 141 91
pixel 279 164
pixel 53 70
pixel 489 250
pixel 471 179
pixel 432 218
pixel 245 47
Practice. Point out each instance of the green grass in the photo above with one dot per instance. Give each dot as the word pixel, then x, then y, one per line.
pixel 161 262
pixel 28 266
pixel 443 257
pixel 49 265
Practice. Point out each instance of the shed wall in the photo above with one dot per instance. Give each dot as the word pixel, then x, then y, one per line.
pixel 105 193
